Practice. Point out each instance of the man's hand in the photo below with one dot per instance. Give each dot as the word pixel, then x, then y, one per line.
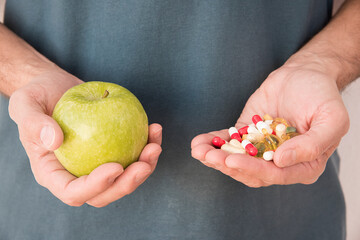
pixel 305 91
pixel 309 99
pixel 31 107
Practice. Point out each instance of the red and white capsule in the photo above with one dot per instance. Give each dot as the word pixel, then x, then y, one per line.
pixel 256 119
pixel 234 134
pixel 249 147
pixel 218 142
pixel 243 130
pixel 269 122
pixel 260 125
pixel 252 129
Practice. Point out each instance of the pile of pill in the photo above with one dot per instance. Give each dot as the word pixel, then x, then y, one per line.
pixel 260 139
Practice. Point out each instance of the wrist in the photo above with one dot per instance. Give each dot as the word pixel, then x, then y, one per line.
pixel 48 86
pixel 315 61
pixel 43 72
pixel 54 80
pixel 335 50
pixel 328 62
pixel 35 67
pixel 19 62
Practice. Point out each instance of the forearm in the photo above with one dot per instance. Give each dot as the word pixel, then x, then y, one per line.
pixel 19 62
pixel 336 49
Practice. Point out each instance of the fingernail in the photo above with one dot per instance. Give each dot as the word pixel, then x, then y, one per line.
pixel 140 177
pixel 47 136
pixel 288 158
pixel 158 132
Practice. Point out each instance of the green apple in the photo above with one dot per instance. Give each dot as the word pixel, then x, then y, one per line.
pixel 102 122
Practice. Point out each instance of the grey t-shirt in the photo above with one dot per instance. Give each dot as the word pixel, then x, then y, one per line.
pixel 193 65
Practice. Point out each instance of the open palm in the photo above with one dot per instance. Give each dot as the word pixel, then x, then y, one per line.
pixel 310 101
pixel 31 108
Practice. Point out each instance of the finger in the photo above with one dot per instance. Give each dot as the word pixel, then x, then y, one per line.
pixel 200 150
pixel 71 190
pixel 206 138
pixel 270 174
pixel 34 125
pixel 265 171
pixel 155 133
pixel 133 176
pixel 150 154
pixel 326 129
pixel 308 172
pixel 215 158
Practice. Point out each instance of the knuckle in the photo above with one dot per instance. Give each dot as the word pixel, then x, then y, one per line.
pixel 23 138
pixel 276 179
pixel 11 107
pixel 254 184
pixel 39 180
pixel 27 123
pixel 192 153
pixel 346 121
pixel 13 104
pixel 102 185
pixel 314 152
pixel 310 181
pixel 126 190
pixel 72 201
pixel 26 127
pixel 318 167
pixel 98 205
pixel 195 140
pixel 273 73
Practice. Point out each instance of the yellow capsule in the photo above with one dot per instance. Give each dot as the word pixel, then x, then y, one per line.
pixel 278 121
pixel 264 131
pixel 254 137
pixel 281 120
pixel 292 134
pixel 263 146
pixel 244 137
pixel 284 138
pixel 267 117
pixel 273 140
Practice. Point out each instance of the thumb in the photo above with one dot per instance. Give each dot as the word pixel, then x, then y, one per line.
pixel 35 126
pixel 155 133
pixel 51 135
pixel 325 132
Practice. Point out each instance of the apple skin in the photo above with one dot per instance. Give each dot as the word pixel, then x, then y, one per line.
pixel 99 130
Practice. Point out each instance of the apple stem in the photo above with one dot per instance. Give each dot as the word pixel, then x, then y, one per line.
pixel 106 93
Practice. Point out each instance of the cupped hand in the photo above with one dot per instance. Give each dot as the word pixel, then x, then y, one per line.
pixel 31 108
pixel 310 100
